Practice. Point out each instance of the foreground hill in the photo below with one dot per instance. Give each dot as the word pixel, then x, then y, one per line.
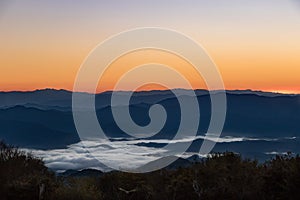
pixel 220 176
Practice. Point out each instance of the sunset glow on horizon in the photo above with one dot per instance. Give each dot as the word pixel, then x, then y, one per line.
pixel 254 44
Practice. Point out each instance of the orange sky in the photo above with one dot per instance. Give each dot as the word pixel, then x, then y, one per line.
pixel 137 58
pixel 256 46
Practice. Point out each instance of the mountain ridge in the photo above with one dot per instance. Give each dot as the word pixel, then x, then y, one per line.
pixel 146 91
pixel 247 115
pixel 62 99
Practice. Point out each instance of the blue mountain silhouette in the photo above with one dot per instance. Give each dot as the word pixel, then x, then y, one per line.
pixel 43 119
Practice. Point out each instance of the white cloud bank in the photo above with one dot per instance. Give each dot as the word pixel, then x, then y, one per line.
pixel 116 154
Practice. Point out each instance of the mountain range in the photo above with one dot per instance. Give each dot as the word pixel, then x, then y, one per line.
pixel 43 119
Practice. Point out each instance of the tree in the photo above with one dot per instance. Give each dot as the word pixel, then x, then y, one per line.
pixel 21 174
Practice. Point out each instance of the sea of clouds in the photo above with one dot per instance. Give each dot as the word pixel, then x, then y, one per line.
pixel 117 154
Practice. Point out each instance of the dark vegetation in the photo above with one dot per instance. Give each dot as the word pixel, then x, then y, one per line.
pixel 221 176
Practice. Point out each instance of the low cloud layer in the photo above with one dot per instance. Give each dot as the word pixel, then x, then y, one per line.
pixel 116 154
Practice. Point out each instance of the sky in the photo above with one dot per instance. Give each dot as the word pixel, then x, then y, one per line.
pixel 255 44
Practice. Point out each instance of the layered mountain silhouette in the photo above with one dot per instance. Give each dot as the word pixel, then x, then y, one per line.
pixel 43 118
pixel 62 99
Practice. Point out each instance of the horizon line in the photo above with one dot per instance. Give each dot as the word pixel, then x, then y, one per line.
pixel 285 92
